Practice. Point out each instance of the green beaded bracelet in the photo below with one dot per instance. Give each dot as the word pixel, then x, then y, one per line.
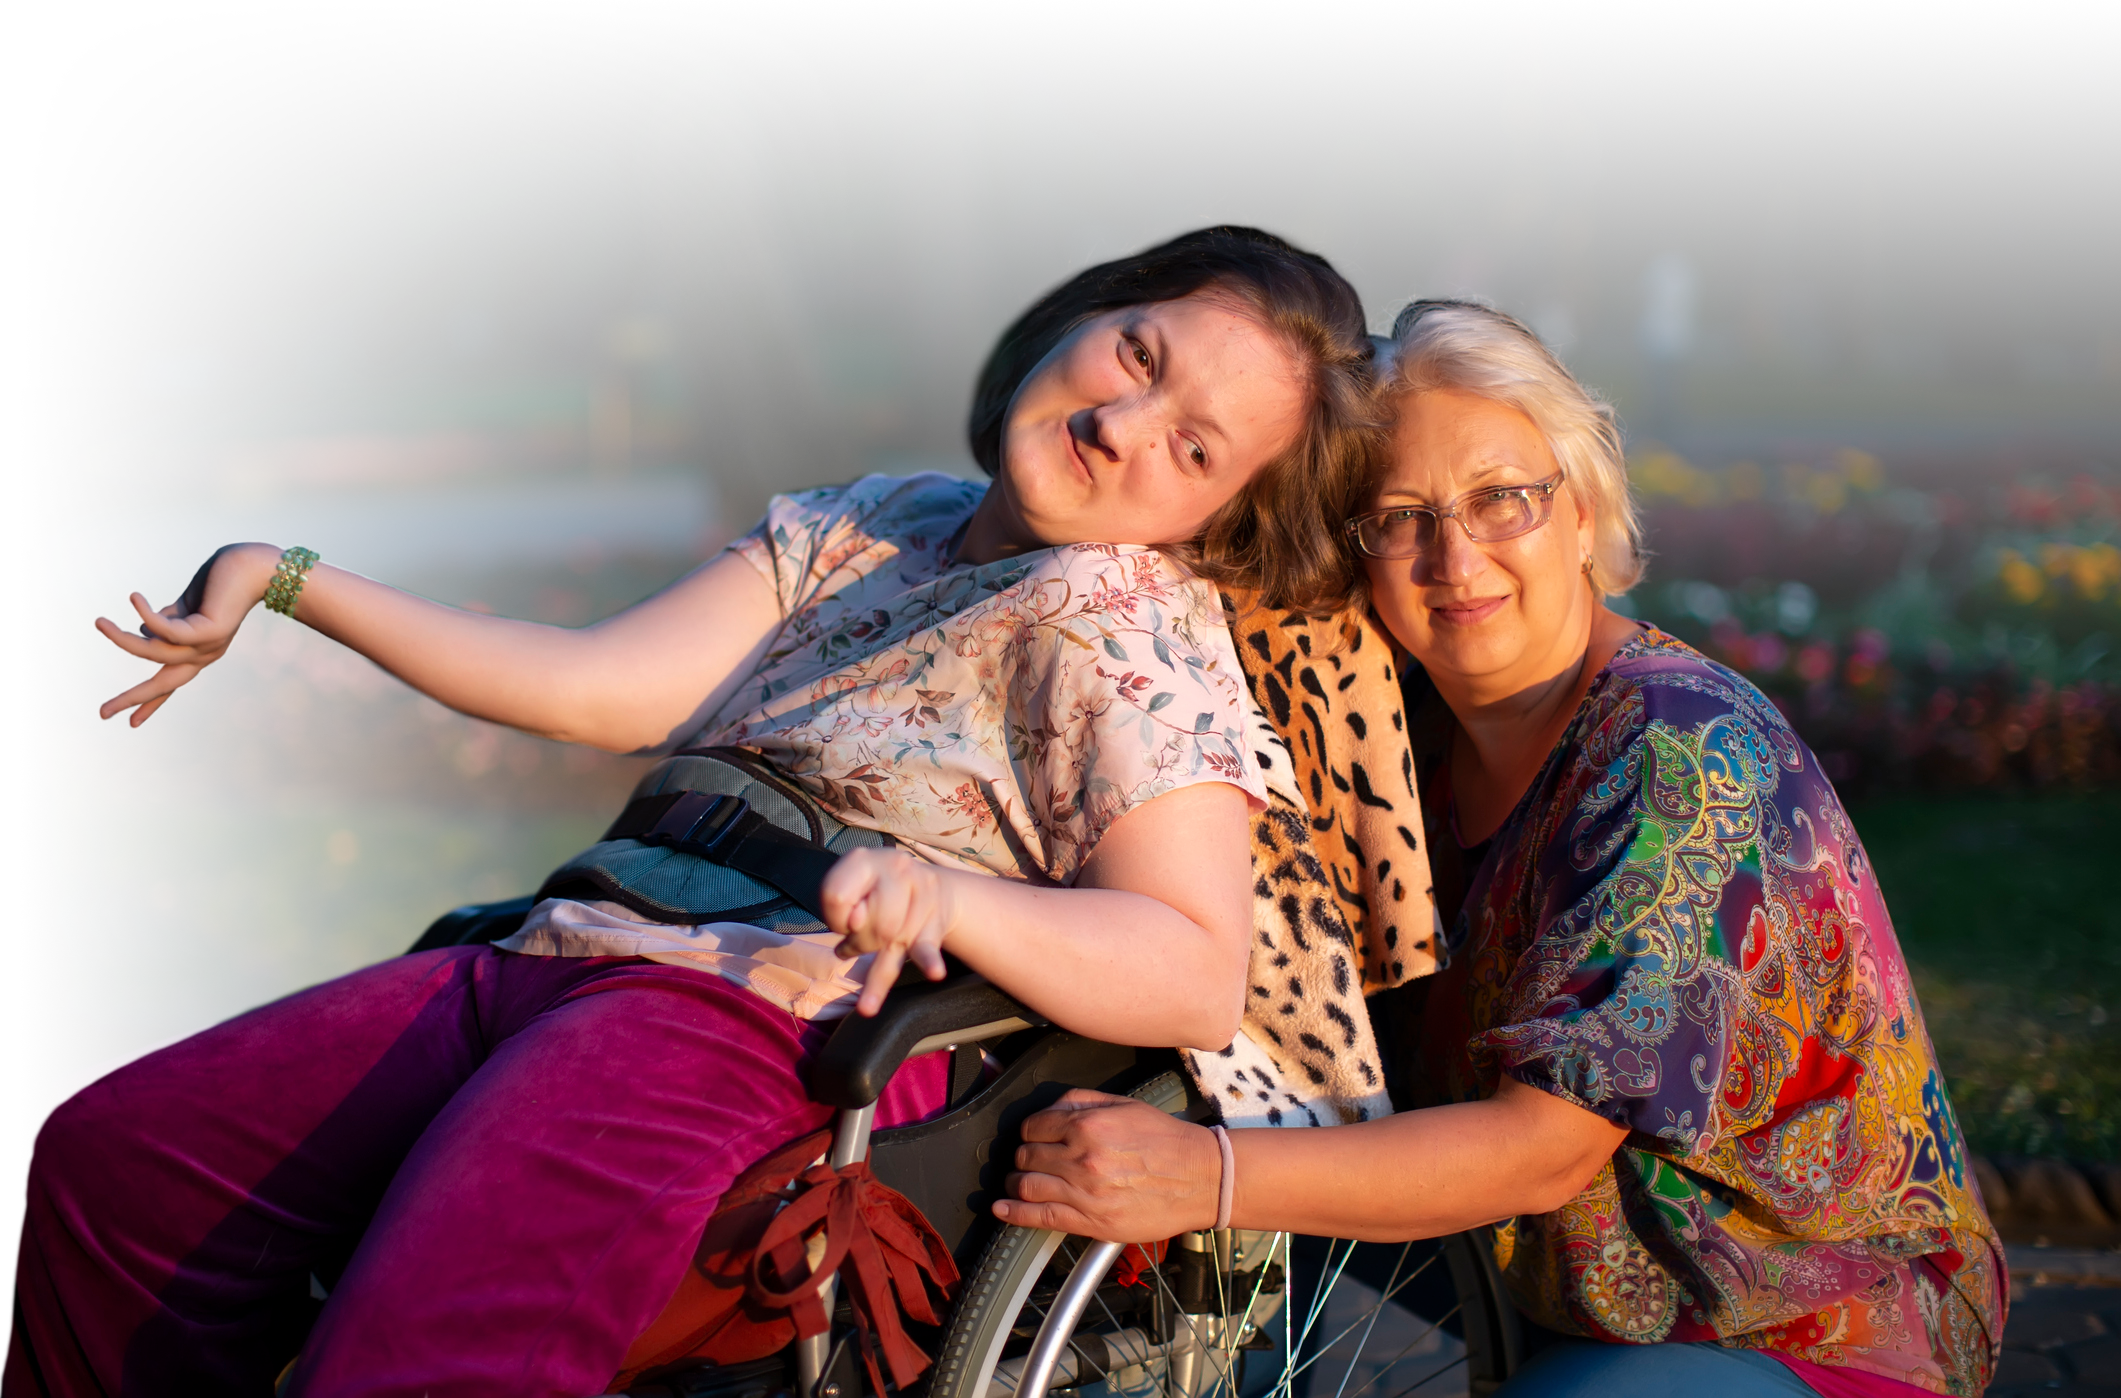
pixel 286 585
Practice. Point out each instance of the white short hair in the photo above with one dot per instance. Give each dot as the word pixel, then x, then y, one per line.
pixel 1475 349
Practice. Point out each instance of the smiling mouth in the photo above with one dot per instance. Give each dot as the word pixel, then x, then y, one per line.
pixel 1467 613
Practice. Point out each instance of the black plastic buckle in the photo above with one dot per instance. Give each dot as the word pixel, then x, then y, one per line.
pixel 698 822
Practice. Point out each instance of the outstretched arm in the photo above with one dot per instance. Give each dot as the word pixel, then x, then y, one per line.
pixel 1114 1168
pixel 1149 947
pixel 631 682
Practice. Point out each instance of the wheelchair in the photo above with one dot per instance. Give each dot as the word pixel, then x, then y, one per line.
pixel 1226 1313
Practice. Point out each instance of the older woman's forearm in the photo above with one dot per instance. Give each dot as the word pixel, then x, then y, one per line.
pixel 1422 1174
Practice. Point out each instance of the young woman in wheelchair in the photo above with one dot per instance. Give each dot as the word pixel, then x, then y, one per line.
pixel 502 1157
pixel 1674 1052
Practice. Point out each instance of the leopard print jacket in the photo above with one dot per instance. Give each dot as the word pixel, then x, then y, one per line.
pixel 1342 902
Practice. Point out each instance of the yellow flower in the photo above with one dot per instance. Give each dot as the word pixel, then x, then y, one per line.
pixel 2095 570
pixel 1827 493
pixel 1865 473
pixel 1654 473
pixel 2020 579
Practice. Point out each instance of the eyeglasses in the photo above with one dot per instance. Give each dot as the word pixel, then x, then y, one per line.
pixel 1487 516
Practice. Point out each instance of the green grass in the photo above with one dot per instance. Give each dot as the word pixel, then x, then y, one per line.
pixel 198 909
pixel 2014 937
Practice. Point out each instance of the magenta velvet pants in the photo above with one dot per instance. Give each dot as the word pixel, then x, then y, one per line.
pixel 499 1165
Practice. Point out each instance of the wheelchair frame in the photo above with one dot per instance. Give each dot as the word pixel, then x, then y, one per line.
pixel 951 1167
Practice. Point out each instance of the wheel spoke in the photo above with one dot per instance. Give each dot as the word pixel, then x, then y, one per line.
pixel 1327 1347
pixel 1204 1361
pixel 1384 1299
pixel 1311 1317
pixel 1407 1349
pixel 1222 1306
pixel 1199 1343
pixel 1233 1329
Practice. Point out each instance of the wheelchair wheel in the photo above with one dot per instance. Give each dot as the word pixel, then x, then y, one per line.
pixel 1235 1314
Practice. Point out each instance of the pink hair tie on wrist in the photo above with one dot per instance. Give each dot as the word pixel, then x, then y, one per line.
pixel 1226 1193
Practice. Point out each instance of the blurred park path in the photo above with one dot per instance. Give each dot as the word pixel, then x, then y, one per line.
pixel 92 556
pixel 2064 1332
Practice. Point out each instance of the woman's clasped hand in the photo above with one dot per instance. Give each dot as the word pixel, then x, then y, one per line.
pixel 1115 1168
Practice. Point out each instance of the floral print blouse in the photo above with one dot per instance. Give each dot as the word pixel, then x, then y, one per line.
pixel 998 717
pixel 1679 930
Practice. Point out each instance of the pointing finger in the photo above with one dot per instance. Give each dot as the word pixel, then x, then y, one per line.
pixel 929 957
pixel 883 974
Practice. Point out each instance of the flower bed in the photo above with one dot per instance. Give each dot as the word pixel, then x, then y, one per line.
pixel 1954 629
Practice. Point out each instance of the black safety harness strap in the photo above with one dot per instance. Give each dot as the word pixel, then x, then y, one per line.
pixel 725 830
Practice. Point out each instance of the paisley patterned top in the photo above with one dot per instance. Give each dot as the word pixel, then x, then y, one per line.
pixel 998 717
pixel 1679 930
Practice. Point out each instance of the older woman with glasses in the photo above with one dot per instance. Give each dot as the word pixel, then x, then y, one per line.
pixel 1674 1051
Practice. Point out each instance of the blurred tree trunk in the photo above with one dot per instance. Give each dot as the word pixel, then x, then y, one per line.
pixel 764 423
pixel 930 119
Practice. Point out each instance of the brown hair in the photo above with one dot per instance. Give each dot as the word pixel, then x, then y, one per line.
pixel 1280 536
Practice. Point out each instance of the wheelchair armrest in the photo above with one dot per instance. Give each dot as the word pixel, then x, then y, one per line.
pixel 475 922
pixel 919 1016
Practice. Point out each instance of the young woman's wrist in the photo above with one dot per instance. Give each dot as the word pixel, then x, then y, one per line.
pixel 957 900
pixel 253 565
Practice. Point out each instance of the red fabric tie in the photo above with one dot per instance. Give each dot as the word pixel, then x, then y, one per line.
pixel 891 1248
